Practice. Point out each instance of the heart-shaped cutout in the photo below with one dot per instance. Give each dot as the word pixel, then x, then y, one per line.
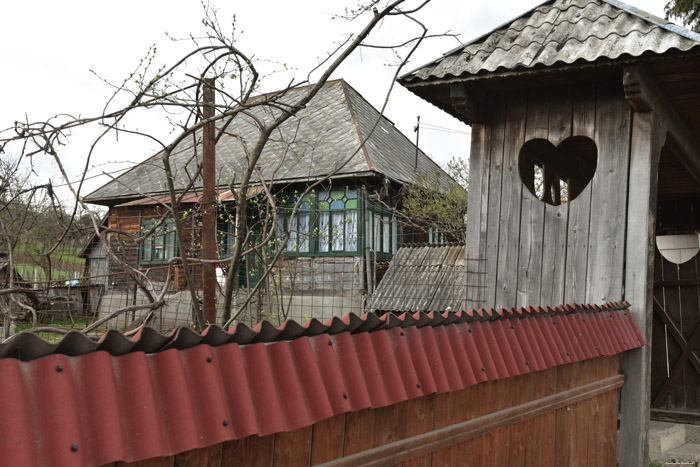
pixel 557 174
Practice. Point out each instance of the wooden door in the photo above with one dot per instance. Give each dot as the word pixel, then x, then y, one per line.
pixel 675 366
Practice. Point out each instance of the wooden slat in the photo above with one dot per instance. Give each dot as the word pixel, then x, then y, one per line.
pixel 255 449
pixel 604 275
pixel 494 201
pixel 389 424
pixel 477 212
pixel 293 448
pixel 359 431
pixel 419 419
pixel 328 439
pixel 511 194
pixel 556 218
pixel 532 212
pixel 203 457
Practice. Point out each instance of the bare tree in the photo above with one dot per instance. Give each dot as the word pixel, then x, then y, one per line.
pixel 176 92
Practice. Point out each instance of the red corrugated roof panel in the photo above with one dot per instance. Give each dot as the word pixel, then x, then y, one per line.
pixel 129 400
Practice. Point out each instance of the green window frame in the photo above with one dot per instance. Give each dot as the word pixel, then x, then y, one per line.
pixel 161 244
pixel 326 223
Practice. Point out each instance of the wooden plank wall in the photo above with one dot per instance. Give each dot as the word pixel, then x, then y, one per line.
pixel 580 434
pixel 538 254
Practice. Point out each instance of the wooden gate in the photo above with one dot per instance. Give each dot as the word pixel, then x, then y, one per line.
pixel 675 366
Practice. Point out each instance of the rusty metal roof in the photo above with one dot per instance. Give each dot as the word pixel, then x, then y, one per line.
pixel 560 32
pixel 157 395
pixel 335 133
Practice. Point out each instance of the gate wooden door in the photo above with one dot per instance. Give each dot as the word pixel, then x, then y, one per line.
pixel 675 366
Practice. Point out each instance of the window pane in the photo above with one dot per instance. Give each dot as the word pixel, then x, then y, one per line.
pixel 293 242
pixel 351 231
pixel 377 232
pixel 386 237
pixel 323 232
pixel 147 248
pixel 351 193
pixel 337 237
pixel 304 232
pixel 337 205
pixel 394 235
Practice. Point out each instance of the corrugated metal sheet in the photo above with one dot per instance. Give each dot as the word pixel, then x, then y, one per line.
pixel 423 278
pixel 329 132
pixel 174 393
pixel 562 31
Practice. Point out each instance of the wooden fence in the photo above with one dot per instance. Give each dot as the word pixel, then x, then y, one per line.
pixel 566 415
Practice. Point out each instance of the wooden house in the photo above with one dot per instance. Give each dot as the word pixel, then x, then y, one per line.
pixel 343 227
pixel 585 120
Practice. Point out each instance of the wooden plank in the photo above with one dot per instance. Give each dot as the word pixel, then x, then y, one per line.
pixel 556 218
pixel 500 448
pixel 477 211
pixel 676 416
pixel 293 447
pixel 205 457
pixel 532 212
pixel 328 439
pixel 389 424
pixel 606 244
pixel 255 449
pixel 359 431
pixel 409 448
pixel 493 221
pixel 418 420
pixel 639 274
pixel 511 194
pixel 444 410
pixel 167 461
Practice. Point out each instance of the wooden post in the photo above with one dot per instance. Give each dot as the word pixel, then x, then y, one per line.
pixel 639 276
pixel 208 204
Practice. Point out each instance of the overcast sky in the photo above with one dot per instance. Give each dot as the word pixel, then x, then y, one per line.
pixel 48 48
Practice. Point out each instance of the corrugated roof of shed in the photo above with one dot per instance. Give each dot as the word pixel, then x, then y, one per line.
pixel 157 395
pixel 560 32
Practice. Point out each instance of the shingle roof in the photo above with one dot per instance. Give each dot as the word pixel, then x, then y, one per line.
pixel 328 132
pixel 560 32
pixel 132 399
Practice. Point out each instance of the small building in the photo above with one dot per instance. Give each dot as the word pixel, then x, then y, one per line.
pixel 341 238
pixel 585 120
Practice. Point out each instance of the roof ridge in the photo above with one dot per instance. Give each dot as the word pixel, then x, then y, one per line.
pixel 344 86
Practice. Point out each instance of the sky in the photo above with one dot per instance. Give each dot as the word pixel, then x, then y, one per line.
pixel 56 55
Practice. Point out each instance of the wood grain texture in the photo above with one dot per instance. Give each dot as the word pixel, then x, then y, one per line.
pixel 511 194
pixel 532 212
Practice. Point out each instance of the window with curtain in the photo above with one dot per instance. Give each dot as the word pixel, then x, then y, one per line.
pixel 326 222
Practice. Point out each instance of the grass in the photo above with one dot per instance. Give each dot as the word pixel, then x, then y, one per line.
pixel 79 324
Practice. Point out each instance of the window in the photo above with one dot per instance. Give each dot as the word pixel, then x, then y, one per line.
pixel 383 232
pixel 337 230
pixel 161 244
pixel 325 222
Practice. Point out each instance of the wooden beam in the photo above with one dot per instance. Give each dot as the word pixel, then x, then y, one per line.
pixel 464 103
pixel 409 448
pixel 644 95
pixel 676 416
pixel 635 402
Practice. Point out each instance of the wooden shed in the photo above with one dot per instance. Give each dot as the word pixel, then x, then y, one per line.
pixel 526 386
pixel 585 119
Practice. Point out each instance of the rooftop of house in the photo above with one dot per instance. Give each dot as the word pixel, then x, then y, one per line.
pixel 338 132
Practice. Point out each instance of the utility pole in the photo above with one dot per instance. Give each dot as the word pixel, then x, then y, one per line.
pixel 208 204
pixel 417 130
